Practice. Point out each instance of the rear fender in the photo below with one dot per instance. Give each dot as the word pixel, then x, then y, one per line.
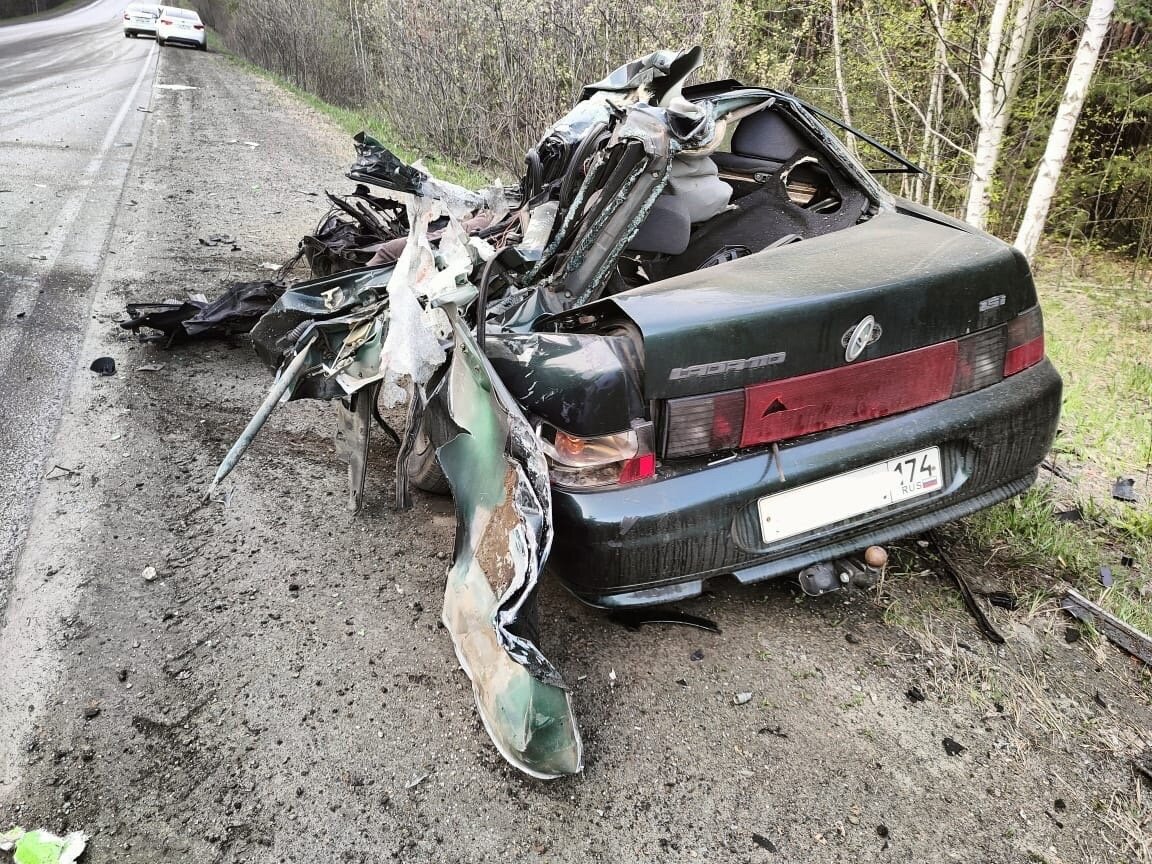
pixel 499 480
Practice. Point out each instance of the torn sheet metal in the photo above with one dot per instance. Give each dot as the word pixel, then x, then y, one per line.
pixel 378 165
pixel 499 480
pixel 466 263
pixel 353 435
pixel 235 311
pixel 351 234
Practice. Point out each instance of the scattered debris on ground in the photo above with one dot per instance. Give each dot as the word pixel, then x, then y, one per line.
pixel 103 366
pixel 42 847
pixel 1120 633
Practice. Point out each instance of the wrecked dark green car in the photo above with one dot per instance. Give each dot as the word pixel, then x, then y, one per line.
pixel 697 342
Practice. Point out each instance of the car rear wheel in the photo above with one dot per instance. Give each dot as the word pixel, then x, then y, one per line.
pixel 424 470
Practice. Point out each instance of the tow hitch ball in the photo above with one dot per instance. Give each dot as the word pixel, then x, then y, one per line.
pixel 833 575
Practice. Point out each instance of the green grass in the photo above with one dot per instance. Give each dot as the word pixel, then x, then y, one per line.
pixel 353 120
pixel 1099 331
pixel 1025 532
pixel 1098 323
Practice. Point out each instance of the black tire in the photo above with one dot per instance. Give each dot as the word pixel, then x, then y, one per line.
pixel 160 42
pixel 424 470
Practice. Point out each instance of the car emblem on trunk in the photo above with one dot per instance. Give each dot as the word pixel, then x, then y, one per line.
pixel 857 338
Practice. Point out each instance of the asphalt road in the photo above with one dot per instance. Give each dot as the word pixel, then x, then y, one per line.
pixel 70 87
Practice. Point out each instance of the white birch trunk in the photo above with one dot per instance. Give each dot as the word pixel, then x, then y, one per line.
pixel 1079 79
pixel 930 143
pixel 998 79
pixel 722 39
pixel 841 90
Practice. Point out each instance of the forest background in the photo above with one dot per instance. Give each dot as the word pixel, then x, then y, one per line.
pixel 966 89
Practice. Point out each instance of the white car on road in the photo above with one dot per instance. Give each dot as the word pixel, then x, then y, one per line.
pixel 140 20
pixel 181 26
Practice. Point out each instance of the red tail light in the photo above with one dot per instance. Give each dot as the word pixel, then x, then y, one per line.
pixel 1025 341
pixel 198 26
pixel 780 410
pixel 638 468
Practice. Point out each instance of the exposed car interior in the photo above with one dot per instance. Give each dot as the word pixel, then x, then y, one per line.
pixel 775 190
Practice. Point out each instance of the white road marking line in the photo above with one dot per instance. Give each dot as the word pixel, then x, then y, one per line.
pixel 71 209
pixel 68 213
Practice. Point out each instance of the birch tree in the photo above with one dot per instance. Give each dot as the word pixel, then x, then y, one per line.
pixel 838 65
pixel 1079 79
pixel 930 143
pixel 999 73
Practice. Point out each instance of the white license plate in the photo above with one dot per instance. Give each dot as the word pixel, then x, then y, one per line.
pixel 826 502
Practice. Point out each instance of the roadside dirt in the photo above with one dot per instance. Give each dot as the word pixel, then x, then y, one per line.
pixel 283 691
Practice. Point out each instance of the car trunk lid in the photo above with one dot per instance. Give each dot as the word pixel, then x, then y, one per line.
pixel 786 312
pixel 875 320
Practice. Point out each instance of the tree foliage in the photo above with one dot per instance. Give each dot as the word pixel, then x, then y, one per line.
pixel 479 80
pixel 17 8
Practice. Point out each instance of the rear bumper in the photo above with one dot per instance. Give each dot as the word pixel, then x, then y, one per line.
pixel 181 37
pixel 662 540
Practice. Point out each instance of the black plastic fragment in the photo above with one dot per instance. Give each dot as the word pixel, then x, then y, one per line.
pixel 1142 764
pixel 1059 472
pixel 1003 600
pixel 103 366
pixel 953 748
pixel 986 627
pixel 375 163
pixel 763 842
pixel 915 694
pixel 1072 515
pixel 235 311
pixel 774 731
pixel 1124 489
pixel 633 619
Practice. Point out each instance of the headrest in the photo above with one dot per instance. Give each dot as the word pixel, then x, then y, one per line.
pixel 766 135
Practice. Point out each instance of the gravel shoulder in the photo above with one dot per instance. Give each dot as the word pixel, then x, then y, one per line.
pixel 283 691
